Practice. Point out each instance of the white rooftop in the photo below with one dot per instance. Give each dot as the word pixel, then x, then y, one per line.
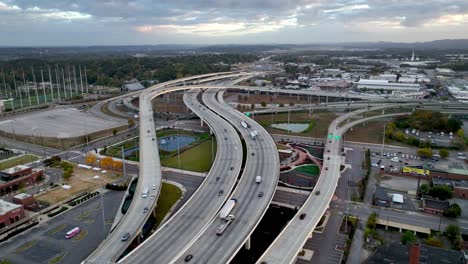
pixel 397 198
pixel 22 196
pixel 15 169
pixel 6 207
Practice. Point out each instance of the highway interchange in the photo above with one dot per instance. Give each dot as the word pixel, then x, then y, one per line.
pixel 192 229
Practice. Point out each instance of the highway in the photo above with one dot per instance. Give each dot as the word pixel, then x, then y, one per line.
pixel 289 242
pixel 262 159
pixel 149 178
pixel 181 229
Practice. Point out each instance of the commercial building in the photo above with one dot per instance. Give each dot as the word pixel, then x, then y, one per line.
pixel 413 254
pixel 26 200
pixel 387 76
pixel 387 86
pixel 12 179
pixel 10 213
pixel 435 207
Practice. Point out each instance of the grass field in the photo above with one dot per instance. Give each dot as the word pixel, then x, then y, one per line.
pixel 197 158
pixel 169 195
pixel 319 122
pixel 18 161
pixel 58 258
pixel 372 132
pixel 312 170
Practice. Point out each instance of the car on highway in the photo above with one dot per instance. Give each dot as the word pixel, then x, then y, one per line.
pixel 317 193
pixel 125 236
pixel 152 197
pixel 220 192
pixel 302 216
pixel 145 210
pixel 260 194
pixel 188 258
pixel 258 179
pixel 154 187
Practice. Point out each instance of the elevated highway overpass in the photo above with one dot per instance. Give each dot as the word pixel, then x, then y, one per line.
pixel 262 160
pixel 172 237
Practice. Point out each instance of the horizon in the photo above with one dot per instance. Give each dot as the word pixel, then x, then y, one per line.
pixel 260 22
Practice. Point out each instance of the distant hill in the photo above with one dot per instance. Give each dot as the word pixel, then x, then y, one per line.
pixel 443 44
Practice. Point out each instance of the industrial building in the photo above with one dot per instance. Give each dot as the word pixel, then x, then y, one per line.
pixel 11 179
pixel 387 86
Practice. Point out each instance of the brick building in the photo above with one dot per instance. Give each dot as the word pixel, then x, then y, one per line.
pixel 10 213
pixel 26 200
pixel 12 179
pixel 435 207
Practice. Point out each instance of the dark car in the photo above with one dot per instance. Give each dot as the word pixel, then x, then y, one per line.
pixel 260 194
pixel 220 192
pixel 302 216
pixel 126 236
pixel 317 193
pixel 145 210
pixel 188 258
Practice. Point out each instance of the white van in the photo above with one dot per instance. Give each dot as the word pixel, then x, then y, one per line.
pixel 258 179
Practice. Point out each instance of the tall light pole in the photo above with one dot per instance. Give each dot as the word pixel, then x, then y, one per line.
pixel 383 140
pixel 35 85
pixel 43 87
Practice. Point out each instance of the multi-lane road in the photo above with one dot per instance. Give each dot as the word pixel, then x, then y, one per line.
pixel 261 160
pixel 173 236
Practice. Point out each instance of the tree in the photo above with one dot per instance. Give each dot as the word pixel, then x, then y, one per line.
pixel 400 136
pixel 372 221
pixel 454 124
pixel 106 162
pixel 424 188
pixel 453 211
pixel 291 103
pixel 442 192
pixel 263 104
pixel 444 153
pixel 90 159
pixel 460 133
pixel 252 106
pixel 453 232
pixel 408 237
pixel 433 242
pixel 281 105
pixel 425 152
pixel 114 132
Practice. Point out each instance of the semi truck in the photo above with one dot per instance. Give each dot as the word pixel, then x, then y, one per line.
pixel 244 124
pixel 227 208
pixel 225 223
pixel 253 134
pixel 144 194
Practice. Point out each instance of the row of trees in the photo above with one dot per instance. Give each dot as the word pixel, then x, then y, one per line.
pixel 105 163
pixel 428 121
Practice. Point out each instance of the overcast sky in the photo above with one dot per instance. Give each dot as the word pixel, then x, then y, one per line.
pixel 121 22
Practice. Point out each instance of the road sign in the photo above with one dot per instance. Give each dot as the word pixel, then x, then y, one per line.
pixel 247 113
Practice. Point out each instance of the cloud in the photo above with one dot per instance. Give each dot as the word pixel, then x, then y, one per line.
pixel 233 20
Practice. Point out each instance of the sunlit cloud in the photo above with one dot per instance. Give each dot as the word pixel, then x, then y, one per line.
pixel 5 7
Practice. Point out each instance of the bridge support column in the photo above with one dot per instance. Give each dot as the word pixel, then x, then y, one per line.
pixel 247 244
pixel 139 238
pixel 201 122
pixel 326 99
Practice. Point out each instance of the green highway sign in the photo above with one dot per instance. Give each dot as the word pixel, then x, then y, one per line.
pixel 337 137
pixel 247 113
pixel 330 136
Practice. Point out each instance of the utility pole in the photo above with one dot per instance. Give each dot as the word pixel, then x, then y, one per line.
pixel 16 90
pixel 51 84
pixel 81 79
pixel 43 87
pixel 383 140
pixel 35 85
pixel 64 85
pixel 27 89
pixel 86 79
pixel 4 84
pixel 57 78
pixel 74 79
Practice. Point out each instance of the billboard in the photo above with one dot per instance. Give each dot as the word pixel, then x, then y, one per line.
pixel 415 171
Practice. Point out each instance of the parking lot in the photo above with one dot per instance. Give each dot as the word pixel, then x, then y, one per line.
pixel 45 242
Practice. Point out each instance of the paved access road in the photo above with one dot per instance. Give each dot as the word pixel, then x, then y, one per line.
pixel 262 159
pixel 185 226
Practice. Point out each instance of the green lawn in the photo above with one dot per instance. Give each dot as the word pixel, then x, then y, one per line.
pixel 197 158
pixel 18 161
pixel 312 170
pixel 169 195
